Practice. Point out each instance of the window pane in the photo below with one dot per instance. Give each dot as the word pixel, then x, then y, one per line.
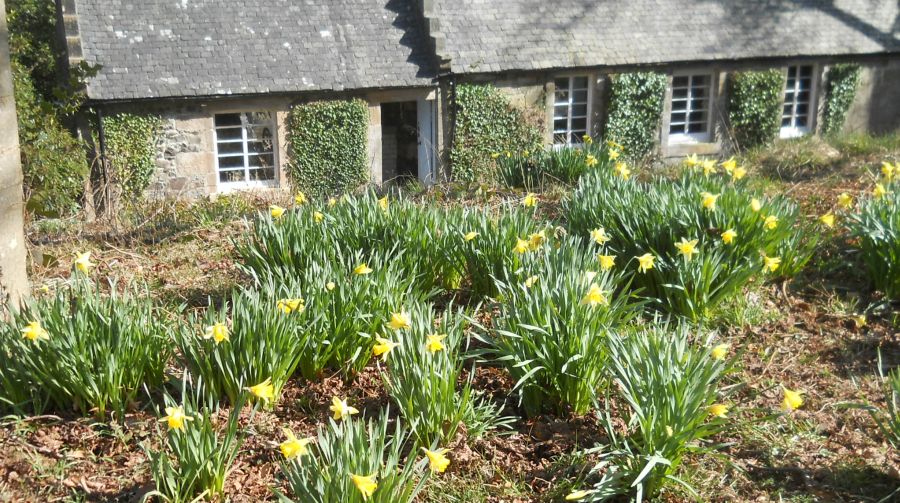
pixel 259 147
pixel 802 109
pixel 580 82
pixel 676 129
pixel 806 71
pixel 562 95
pixel 785 121
pixel 228 120
pixel 264 174
pixel 561 111
pixel 792 72
pixel 560 139
pixel 801 121
pixel 681 81
pixel 697 127
pixel 679 92
pixel 791 83
pixel 579 124
pixel 678 117
pixel 803 96
pixel 230 147
pixel 259 132
pixel 233 133
pixel 699 92
pixel 580 96
pixel 699 80
pixel 679 105
pixel 562 83
pixel 231 162
pixel 805 84
pixel 560 125
pixel 699 116
pixel 231 176
pixel 578 136
pixel 261 161
pixel 579 110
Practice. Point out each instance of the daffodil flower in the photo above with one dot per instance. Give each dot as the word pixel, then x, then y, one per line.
pixel 771 264
pixel 470 236
pixel 709 167
pixel 83 262
pixel 607 261
pixel 622 171
pixel 729 165
pixel 276 211
pixel 362 270
pixel 536 240
pixel 288 306
pixel 718 410
pixel 383 346
pixel 530 200
pixel 594 297
pixel 437 459
pixel 341 410
pixel 264 390
pixel 792 400
pixel 366 485
pixel 495 155
pixel 175 418
pixel 691 161
pixel 522 246
pixel 434 343
pixel 331 202
pixel 755 205
pixel 294 447
pixel 738 173
pixel 879 191
pixel 599 235
pixel 318 217
pixel 709 200
pixel 399 321
pixel 888 170
pixel 827 220
pixel 530 282
pixel 845 200
pixel 687 248
pixel 720 351
pixel 645 262
pixel 35 332
pixel 384 203
pixel 587 139
pixel 217 332
pixel 579 495
pixel 590 161
pixel 614 154
pixel 771 222
pixel 300 198
pixel 330 286
pixel 860 321
pixel 728 236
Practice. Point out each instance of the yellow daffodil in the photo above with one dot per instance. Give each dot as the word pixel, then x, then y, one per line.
pixel 579 495
pixel 341 409
pixel 384 203
pixel 495 155
pixel 318 217
pixel 587 139
pixel 687 249
pixel 827 220
pixel 530 282
pixel 536 240
pixel 525 153
pixel 755 205
pixel 83 262
pixel 771 222
pixel 594 297
pixel 708 200
pixel 294 447
pixel 614 154
pixel 383 346
pixel 434 343
pixel 217 332
pixel 607 261
pixel 718 410
pixel 771 264
pixel 300 198
pixel 729 165
pixel 860 321
pixel 288 306
pixel 276 211
pixel 792 400
pixel 470 235
pixel 728 236
pixel 709 167
pixel 366 485
pixel 614 145
pixel 590 161
pixel 691 161
pixel 879 191
pixel 589 276
pixel 599 236
pixel 645 262
pixel 175 418
pixel 35 332
pixel 399 321
pixel 508 154
pixel 888 170
pixel 331 202
pixel 362 269
pixel 437 460
pixel 845 200
pixel 330 286
pixel 622 171
pixel 522 246
pixel 530 200
pixel 720 351
pixel 264 390
pixel 739 172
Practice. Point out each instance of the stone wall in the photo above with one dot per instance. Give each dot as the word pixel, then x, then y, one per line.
pixel 876 107
pixel 185 162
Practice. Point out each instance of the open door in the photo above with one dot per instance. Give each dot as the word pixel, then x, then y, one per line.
pixel 427 144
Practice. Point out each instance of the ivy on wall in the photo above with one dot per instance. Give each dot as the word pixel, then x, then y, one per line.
pixel 327 146
pixel 131 149
pixel 843 79
pixel 755 105
pixel 635 110
pixel 487 123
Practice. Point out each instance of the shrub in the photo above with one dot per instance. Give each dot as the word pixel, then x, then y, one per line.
pixel 669 389
pixel 843 79
pixel 131 149
pixel 876 227
pixel 564 165
pixel 327 146
pixel 635 109
pixel 888 420
pixel 754 106
pixel 350 448
pixel 550 334
pixel 196 457
pixel 486 123
pixel 90 352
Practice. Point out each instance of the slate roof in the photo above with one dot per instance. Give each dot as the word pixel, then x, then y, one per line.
pixel 491 35
pixel 165 48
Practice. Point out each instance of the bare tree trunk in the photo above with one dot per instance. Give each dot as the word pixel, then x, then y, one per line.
pixel 13 280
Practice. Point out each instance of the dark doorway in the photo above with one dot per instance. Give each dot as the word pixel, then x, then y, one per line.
pixel 400 141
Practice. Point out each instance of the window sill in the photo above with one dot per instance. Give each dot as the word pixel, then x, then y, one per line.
pixel 225 188
pixel 792 132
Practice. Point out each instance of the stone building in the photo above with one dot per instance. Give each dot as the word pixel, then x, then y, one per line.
pixel 224 74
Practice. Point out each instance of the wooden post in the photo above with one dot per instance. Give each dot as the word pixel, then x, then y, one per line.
pixel 13 280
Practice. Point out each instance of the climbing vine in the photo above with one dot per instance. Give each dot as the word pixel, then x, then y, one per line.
pixel 754 106
pixel 843 79
pixel 327 143
pixel 131 149
pixel 487 123
pixel 635 109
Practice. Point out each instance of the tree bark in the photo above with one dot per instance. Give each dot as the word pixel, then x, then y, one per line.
pixel 13 279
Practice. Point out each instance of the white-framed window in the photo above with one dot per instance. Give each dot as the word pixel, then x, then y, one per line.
pixel 571 109
pixel 796 117
pixel 245 149
pixel 691 105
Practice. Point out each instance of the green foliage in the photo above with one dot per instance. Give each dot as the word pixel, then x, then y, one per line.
pixel 551 331
pixel 668 387
pixel 353 447
pixel 195 460
pixel 486 124
pixel 843 79
pixel 131 149
pixel 99 353
pixel 755 106
pixel 888 420
pixel 327 145
pixel 33 43
pixel 564 165
pixel 876 227
pixel 635 109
